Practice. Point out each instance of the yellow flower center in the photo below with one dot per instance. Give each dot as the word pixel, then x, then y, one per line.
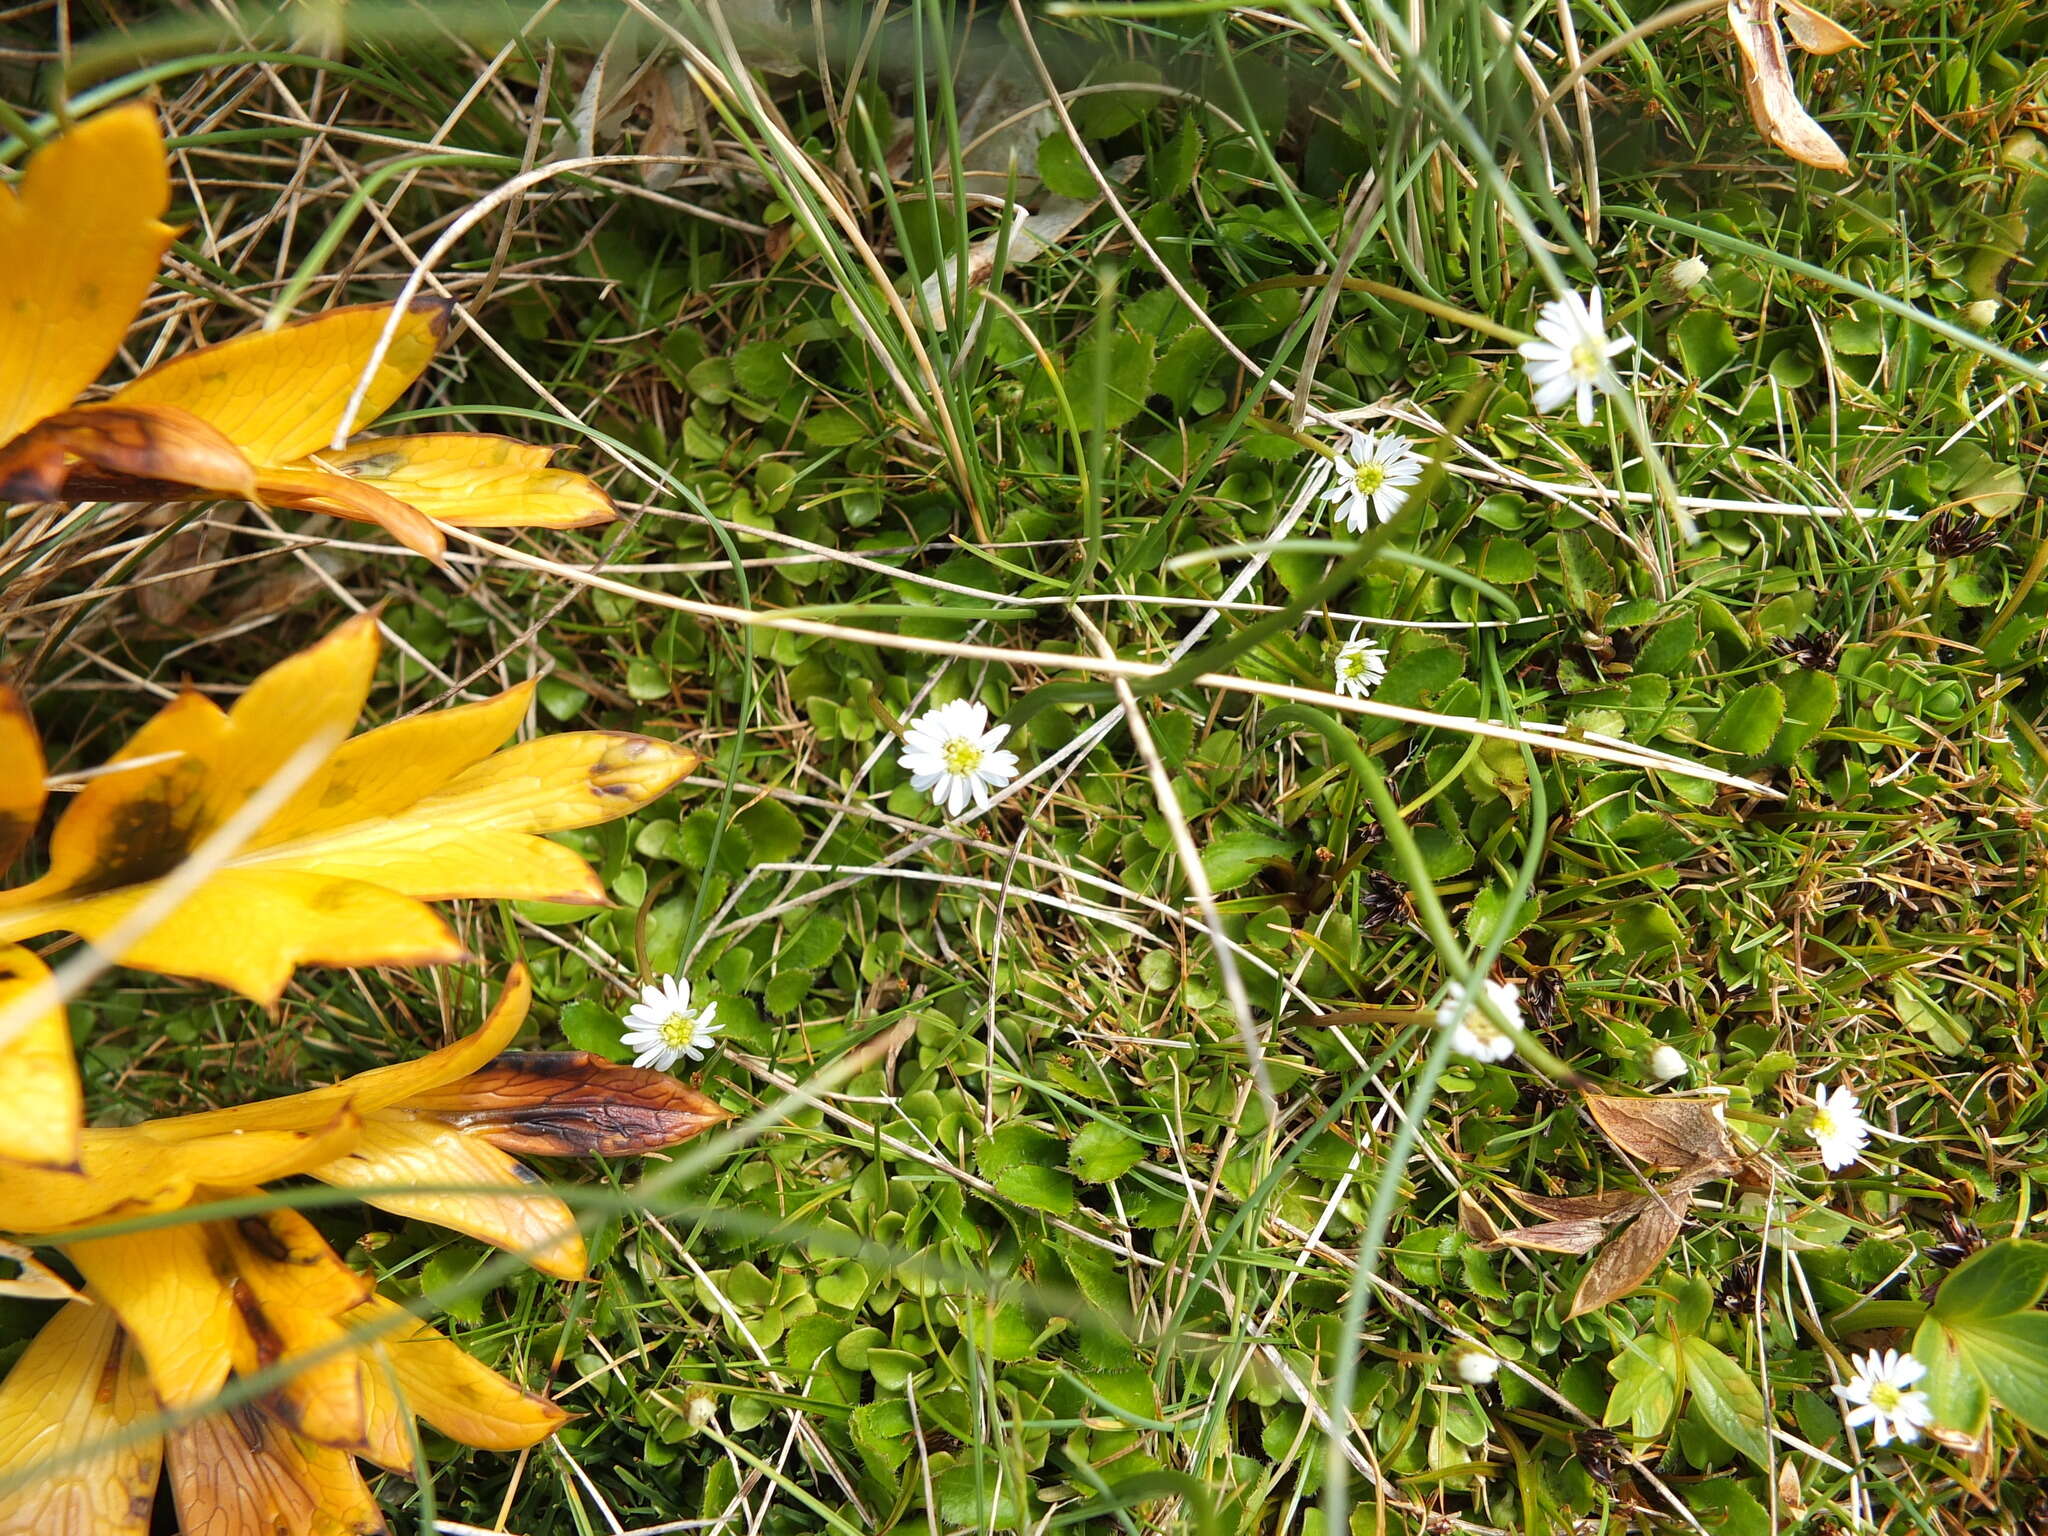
pixel 1885 1397
pixel 1825 1125
pixel 1357 665
pixel 678 1030
pixel 1588 358
pixel 1369 476
pixel 962 755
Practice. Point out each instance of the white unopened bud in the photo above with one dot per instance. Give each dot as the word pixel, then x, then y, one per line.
pixel 1686 276
pixel 700 1410
pixel 1979 313
pixel 1474 1366
pixel 1666 1063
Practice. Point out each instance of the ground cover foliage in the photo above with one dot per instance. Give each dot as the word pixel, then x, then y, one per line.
pixel 1015 1230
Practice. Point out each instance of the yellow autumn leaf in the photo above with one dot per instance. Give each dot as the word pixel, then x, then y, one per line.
pixel 453 1391
pixel 291 1291
pixel 243 1473
pixel 246 417
pixel 129 1171
pixel 168 1288
pixel 32 1280
pixel 77 1385
pixel 278 395
pixel 116 452
pixel 340 873
pixel 366 1092
pixel 82 236
pixel 473 480
pixel 21 775
pixel 398 1148
pixel 41 1103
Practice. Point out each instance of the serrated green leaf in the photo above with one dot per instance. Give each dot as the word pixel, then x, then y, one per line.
pixel 1750 719
pixel 1103 1152
pixel 1036 1188
pixel 1015 1146
pixel 1233 858
pixel 1811 699
pixel 785 991
pixel 1060 168
pixel 1705 343
pixel 1171 169
pixel 1124 379
pixel 813 945
pixel 773 832
pixel 1418 677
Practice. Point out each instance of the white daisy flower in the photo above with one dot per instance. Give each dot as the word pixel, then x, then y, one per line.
pixel 1478 1036
pixel 1837 1127
pixel 662 1029
pixel 1475 1366
pixel 951 754
pixel 1570 355
pixel 1374 474
pixel 1666 1063
pixel 1881 1392
pixel 1361 666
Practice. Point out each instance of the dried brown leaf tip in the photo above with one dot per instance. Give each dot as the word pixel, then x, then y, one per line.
pixel 1767 74
pixel 572 1104
pixel 1633 1256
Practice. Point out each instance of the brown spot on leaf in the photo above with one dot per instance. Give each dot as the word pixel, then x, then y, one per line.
pixel 255 1231
pixel 144 839
pixel 440 311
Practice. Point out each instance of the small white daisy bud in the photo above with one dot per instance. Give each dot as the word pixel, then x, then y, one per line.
pixel 1474 1366
pixel 1683 277
pixel 700 1409
pixel 1666 1063
pixel 1978 314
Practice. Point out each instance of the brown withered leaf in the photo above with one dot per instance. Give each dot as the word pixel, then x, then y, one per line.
pixel 1609 1205
pixel 1632 1257
pixel 1767 76
pixel 139 442
pixel 1581 1236
pixel 1685 1133
pixel 572 1104
pixel 1477 1226
pixel 1814 32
